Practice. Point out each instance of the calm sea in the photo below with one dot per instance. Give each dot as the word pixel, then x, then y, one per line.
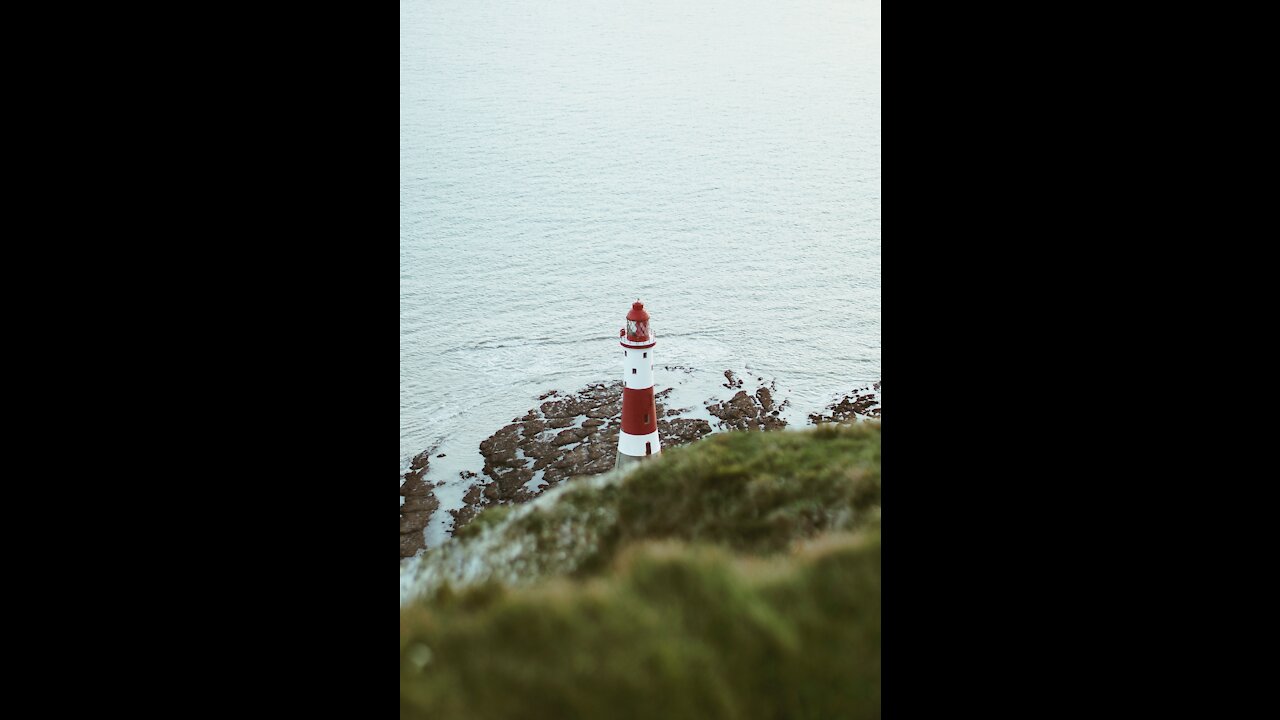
pixel 561 158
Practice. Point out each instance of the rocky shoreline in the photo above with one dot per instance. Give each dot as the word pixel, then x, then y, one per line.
pixel 574 435
pixel 861 404
pixel 419 503
pixel 749 412
pixel 568 435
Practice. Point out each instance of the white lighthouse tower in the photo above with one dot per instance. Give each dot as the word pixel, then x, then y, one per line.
pixel 639 436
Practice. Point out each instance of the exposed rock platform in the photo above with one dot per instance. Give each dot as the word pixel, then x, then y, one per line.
pixel 576 434
pixel 419 504
pixel 568 435
pixel 863 403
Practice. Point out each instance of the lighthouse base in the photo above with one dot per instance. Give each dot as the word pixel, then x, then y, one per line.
pixel 625 460
pixel 638 445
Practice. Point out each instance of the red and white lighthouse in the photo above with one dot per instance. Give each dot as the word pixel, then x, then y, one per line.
pixel 639 436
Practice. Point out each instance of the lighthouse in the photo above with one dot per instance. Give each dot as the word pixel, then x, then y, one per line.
pixel 639 436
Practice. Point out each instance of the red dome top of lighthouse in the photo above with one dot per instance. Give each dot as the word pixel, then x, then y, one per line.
pixel 638 312
pixel 637 332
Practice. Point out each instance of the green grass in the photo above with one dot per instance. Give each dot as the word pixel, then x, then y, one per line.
pixel 751 492
pixel 735 578
pixel 755 492
pixel 675 631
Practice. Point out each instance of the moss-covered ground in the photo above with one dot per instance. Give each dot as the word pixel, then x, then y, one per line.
pixel 735 578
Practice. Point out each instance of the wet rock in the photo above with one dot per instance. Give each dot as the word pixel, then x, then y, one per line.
pixel 749 413
pixel 574 460
pixel 510 483
pixel 424 503
pixel 463 516
pixel 567 408
pixel 529 449
pixel 605 412
pixel 570 437
pixel 420 503
pixel 540 451
pixel 411 544
pixel 515 455
pixel 765 398
pixel 421 461
pixel 684 431
pixel 413 522
pixel 861 404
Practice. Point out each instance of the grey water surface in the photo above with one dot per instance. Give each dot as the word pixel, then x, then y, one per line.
pixel 561 158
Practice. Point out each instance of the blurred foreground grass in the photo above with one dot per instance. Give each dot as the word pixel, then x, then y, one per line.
pixel 737 578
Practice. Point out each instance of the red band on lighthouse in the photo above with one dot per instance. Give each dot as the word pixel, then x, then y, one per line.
pixel 639 412
pixel 639 436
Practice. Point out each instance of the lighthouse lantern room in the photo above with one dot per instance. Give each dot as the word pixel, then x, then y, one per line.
pixel 639 436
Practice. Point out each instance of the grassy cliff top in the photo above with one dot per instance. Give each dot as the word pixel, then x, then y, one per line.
pixel 735 578
pixel 674 631
pixel 749 492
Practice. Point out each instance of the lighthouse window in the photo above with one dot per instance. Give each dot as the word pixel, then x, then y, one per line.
pixel 646 355
pixel 646 419
pixel 633 371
